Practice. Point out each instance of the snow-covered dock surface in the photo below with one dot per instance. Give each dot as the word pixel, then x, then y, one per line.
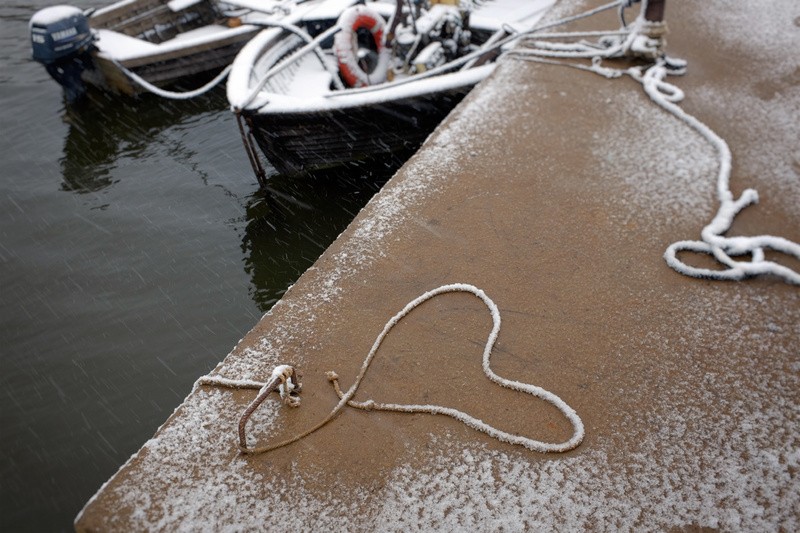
pixel 556 191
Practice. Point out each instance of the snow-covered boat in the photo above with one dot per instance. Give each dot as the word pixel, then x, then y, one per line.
pixel 374 85
pixel 132 45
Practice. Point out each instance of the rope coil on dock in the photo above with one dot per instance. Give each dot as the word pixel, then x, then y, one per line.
pixel 645 39
pixel 284 379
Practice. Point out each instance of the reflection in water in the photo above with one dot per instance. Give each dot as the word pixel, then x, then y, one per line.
pixel 103 128
pixel 134 254
pixel 285 227
pixel 289 225
pixel 113 312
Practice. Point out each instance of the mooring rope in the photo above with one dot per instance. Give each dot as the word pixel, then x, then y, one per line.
pixel 644 39
pixel 284 378
pixel 714 241
pixel 172 95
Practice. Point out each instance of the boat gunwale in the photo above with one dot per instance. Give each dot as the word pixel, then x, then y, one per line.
pixel 176 46
pixel 380 94
pixel 183 49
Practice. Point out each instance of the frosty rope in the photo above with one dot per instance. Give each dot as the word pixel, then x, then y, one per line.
pixel 346 398
pixel 172 95
pixel 284 379
pixel 714 242
pixel 644 40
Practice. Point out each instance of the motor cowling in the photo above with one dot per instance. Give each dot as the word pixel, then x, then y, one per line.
pixel 62 41
pixel 58 33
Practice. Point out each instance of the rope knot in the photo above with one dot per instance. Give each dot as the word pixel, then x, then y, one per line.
pixel 291 400
pixel 655 29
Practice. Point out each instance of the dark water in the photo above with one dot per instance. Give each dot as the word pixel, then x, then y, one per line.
pixel 135 251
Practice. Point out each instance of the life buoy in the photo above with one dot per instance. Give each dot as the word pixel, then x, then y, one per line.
pixel 345 46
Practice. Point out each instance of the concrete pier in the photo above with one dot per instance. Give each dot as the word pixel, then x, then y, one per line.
pixel 556 191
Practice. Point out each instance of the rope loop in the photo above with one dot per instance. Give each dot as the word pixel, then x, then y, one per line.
pixel 285 376
pixel 644 39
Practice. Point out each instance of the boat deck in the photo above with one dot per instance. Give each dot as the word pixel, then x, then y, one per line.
pixel 556 191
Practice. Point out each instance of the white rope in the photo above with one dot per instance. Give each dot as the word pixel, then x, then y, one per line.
pixel 224 74
pixel 146 85
pixel 714 241
pixel 346 398
pixel 531 444
pixel 229 383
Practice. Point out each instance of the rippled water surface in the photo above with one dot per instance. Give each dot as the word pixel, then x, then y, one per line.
pixel 135 251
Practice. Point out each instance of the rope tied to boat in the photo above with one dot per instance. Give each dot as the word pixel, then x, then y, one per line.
pixel 645 39
pixel 219 78
pixel 173 95
pixel 285 376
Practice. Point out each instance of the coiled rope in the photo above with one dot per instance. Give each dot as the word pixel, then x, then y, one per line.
pixel 644 39
pixel 282 377
pixel 714 241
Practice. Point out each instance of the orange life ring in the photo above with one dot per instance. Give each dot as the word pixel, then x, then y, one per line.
pixel 345 46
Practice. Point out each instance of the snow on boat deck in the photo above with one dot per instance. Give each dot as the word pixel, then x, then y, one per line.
pixel 124 47
pixel 556 191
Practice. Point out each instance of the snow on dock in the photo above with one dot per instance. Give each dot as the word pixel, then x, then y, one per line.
pixel 556 191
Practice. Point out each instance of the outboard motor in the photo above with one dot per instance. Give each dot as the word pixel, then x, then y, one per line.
pixel 62 39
